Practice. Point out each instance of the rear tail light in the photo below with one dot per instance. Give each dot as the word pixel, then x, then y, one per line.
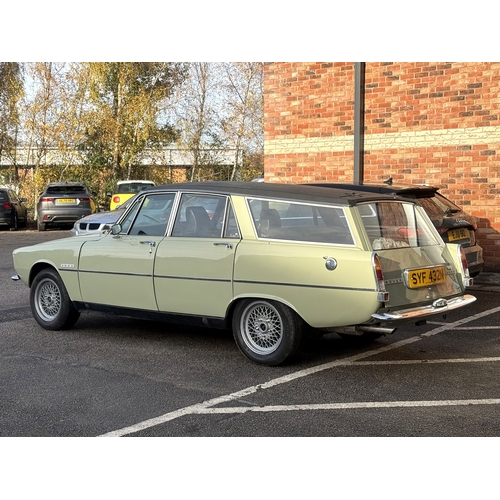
pixel 442 230
pixel 84 199
pixel 407 232
pixel 7 205
pixel 383 294
pixel 47 199
pixel 465 266
pixel 116 199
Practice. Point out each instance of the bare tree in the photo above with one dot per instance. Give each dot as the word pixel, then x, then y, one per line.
pixel 195 115
pixel 243 104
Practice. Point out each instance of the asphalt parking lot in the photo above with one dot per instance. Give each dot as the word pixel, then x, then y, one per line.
pixel 112 376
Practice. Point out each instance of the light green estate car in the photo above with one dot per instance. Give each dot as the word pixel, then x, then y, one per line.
pixel 272 261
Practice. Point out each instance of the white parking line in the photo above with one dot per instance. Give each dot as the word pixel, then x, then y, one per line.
pixel 202 408
pixel 348 406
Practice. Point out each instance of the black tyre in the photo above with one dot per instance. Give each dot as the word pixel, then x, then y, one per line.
pixel 40 225
pixel 267 332
pixel 15 223
pixel 50 302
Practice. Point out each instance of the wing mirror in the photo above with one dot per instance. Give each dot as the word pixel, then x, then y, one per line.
pixel 116 229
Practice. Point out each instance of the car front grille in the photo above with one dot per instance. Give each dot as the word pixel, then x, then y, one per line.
pixel 89 226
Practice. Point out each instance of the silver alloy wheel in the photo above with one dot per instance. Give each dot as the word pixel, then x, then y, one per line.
pixel 261 327
pixel 48 299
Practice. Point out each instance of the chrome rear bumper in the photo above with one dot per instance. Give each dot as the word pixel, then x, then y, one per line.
pixel 440 306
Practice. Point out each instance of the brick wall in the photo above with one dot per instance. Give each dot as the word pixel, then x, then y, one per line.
pixel 434 123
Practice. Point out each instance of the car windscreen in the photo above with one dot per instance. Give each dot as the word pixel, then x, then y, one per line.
pixel 395 225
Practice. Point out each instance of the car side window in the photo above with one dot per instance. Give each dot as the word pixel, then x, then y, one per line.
pixel 153 215
pixel 200 216
pixel 283 220
pixel 126 223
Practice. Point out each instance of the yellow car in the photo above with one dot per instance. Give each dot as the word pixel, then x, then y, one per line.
pixel 125 190
pixel 270 261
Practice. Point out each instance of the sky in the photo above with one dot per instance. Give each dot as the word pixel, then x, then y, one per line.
pixel 271 30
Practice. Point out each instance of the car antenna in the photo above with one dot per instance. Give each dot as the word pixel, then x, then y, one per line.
pixel 388 181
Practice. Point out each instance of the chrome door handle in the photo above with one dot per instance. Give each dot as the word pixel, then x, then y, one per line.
pixel 151 244
pixel 228 245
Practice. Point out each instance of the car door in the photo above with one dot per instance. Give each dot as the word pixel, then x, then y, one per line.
pixel 194 265
pixel 18 206
pixel 117 269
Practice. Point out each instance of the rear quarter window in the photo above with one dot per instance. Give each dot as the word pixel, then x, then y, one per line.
pixel 293 221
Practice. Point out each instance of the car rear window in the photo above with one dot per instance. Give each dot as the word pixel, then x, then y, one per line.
pixel 438 206
pixel 134 187
pixel 3 196
pixel 395 225
pixel 66 189
pixel 291 221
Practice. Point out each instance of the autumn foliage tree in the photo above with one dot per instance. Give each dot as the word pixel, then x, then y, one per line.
pixel 11 91
pixel 125 101
pixel 95 122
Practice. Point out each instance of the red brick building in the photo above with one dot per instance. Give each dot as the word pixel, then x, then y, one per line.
pixel 434 123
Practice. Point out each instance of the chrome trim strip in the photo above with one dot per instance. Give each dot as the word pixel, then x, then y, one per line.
pixel 189 278
pixel 306 286
pixel 111 273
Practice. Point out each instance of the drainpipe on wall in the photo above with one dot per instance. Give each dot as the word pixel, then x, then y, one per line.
pixel 359 121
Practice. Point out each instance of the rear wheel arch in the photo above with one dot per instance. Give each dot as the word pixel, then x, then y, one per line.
pixel 236 300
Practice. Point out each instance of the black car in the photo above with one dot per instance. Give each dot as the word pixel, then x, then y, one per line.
pixel 13 212
pixel 453 224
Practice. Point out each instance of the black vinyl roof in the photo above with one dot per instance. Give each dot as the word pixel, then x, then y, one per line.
pixel 341 196
pixel 414 191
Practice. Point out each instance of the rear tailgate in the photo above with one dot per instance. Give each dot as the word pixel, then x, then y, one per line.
pixel 413 276
pixel 416 264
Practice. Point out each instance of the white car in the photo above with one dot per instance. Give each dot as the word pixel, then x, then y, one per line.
pixel 101 221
